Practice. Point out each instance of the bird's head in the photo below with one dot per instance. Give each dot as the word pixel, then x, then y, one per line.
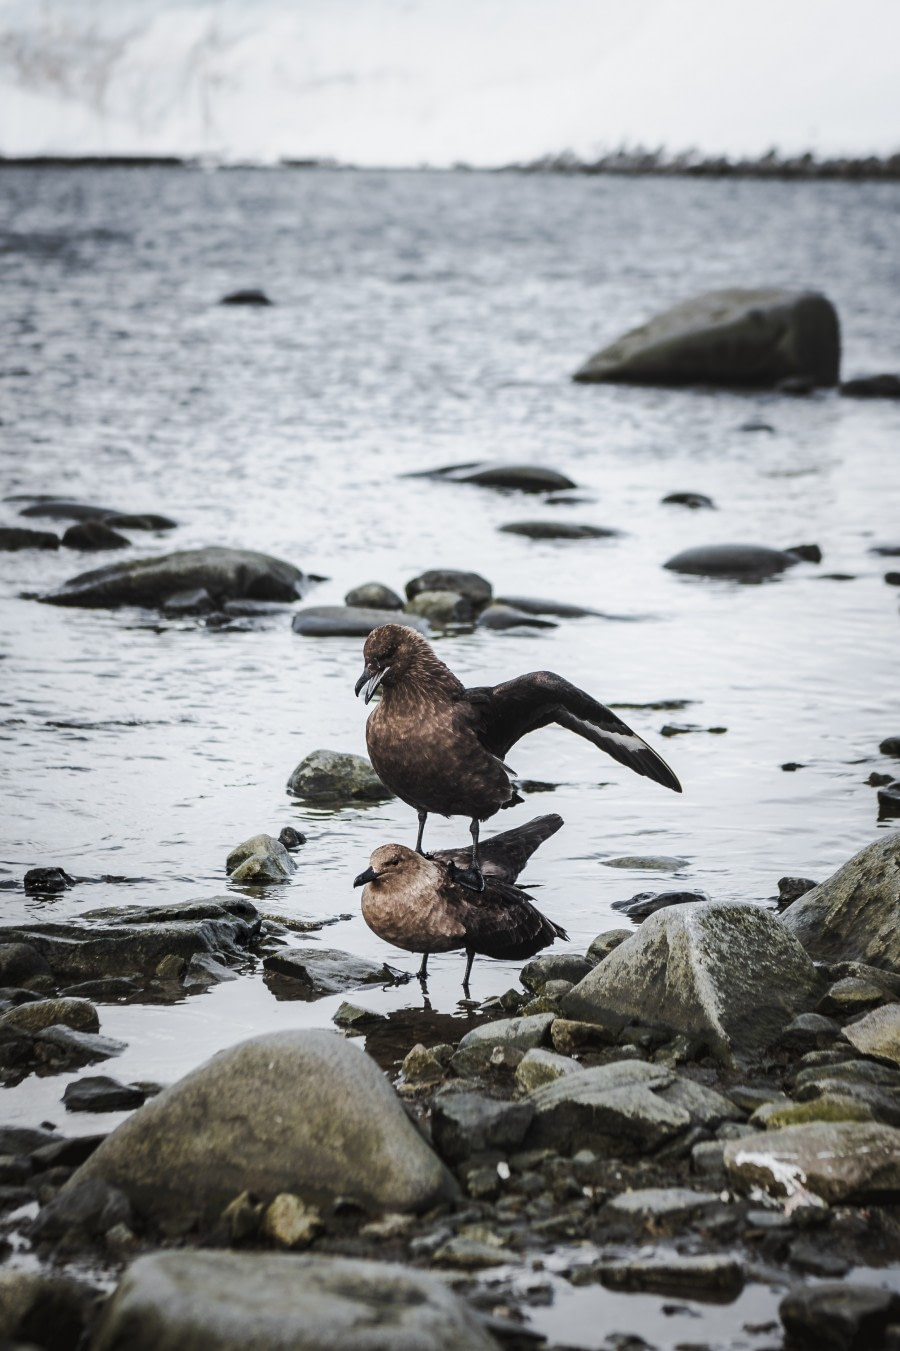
pixel 390 653
pixel 390 862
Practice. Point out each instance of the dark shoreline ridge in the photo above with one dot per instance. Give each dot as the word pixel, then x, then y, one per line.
pixel 624 162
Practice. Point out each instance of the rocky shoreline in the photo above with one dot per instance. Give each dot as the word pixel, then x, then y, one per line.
pixel 704 1105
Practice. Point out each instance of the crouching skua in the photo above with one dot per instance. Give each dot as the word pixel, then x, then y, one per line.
pixel 441 747
pixel 418 903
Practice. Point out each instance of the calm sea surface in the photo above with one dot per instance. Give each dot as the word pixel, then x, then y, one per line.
pixel 422 319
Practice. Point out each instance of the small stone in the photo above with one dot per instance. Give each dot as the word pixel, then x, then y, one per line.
pixel 99 1093
pixel 790 889
pixel 501 617
pixel 353 1015
pixel 290 1223
pixel 259 860
pixel 374 596
pixel 471 1254
pixel 91 536
pixel 890 746
pixel 474 1051
pixel 850 996
pixel 47 881
pixel 661 1205
pixel 441 608
pixel 42 1013
pixel 334 778
pixel 204 970
pixel 249 296
pixel 469 1123
pixel 570 1035
pixel 471 585
pixel 506 1058
pixel 692 500
pixel 808 1032
pixel 558 530
pixel 604 944
pixel 554 967
pixel 291 838
pixel 876 1034
pixel 889 801
pixel 170 967
pixel 707 1158
pixel 242 1218
pixel 422 1066
pixel 540 1066
pixel 63 1045
pixel 13 538
pixel 314 972
pixel 883 386
pixel 675 1275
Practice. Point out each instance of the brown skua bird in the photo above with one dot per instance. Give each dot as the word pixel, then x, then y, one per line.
pixel 418 904
pixel 440 747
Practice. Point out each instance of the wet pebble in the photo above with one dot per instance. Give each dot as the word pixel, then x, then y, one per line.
pixel 373 596
pixel 558 530
pixel 100 1093
pixel 91 536
pixel 248 296
pixel 692 500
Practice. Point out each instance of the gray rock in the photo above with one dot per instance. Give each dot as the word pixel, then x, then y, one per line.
pixel 853 915
pixel 349 621
pixel 850 996
pixel 260 859
pixel 373 596
pixel 808 1032
pixel 540 1066
pixel 204 970
pixel 34 1017
pixel 226 574
pixel 611 1109
pixel 728 975
pixel 472 585
pixel 46 1311
pixel 692 500
pixel 93 536
pixel 501 617
pixel 64 509
pixel 891 744
pixel 827 1107
pixel 554 966
pixel 47 881
pixel 666 1205
pixel 192 601
pixel 646 903
pixel 860 1071
pixel 558 530
pixel 13 538
pixel 334 777
pixel 876 1034
pixel 710 1277
pixel 728 337
pixel 221 1301
pixel 91 1209
pixel 137 938
pixel 533 606
pixel 884 386
pixel 474 1051
pixel 835 1161
pixel 527 478
pixel 889 801
pixel 839 1316
pixel 604 944
pixel 441 607
pixel 352 1016
pixel 658 863
pixel 99 1093
pixel 321 971
pixel 705 1106
pixel 470 1123
pixel 63 1046
pixel 250 296
pixel 143 520
pixel 790 889
pixel 300 1111
pixel 740 562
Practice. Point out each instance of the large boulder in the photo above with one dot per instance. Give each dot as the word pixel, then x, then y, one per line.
pixel 730 976
pixel 304 1112
pixel 729 337
pixel 855 914
pixel 224 574
pixel 221 1301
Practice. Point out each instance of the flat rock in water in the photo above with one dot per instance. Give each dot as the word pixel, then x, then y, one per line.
pixel 249 296
pixel 91 536
pixel 472 585
pixel 647 903
pixel 658 863
pixel 64 509
pixel 260 859
pixel 305 1112
pixel 61 1044
pixel 566 966
pixel 534 606
pixel 335 777
pixel 692 500
pixel 349 621
pixel 729 976
pixel 225 574
pixel 853 915
pixel 728 337
pixel 528 478
pixel 441 607
pixel 373 596
pixel 100 1093
pixel 322 971
pixel 12 539
pixel 558 530
pixel 715 1276
pixel 739 562
pixel 876 1034
pixel 500 617
pixel 884 386
pixel 223 1301
pixel 835 1161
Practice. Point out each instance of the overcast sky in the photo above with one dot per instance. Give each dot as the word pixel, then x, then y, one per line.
pixel 436 81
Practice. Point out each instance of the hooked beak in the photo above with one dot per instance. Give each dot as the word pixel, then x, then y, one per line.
pixel 368 683
pixel 368 876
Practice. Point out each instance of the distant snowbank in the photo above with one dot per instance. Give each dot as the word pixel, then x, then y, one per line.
pixel 403 82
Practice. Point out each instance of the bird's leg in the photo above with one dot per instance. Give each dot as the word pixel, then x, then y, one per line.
pixel 471 955
pixel 423 817
pixel 422 972
pixel 472 876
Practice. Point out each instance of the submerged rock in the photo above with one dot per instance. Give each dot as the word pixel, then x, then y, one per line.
pixel 853 915
pixel 222 1301
pixel 884 386
pixel 91 536
pixel 472 585
pixel 336 777
pixel 322 971
pixel 441 607
pixel 260 859
pixel 835 1161
pixel 99 1093
pixel 558 530
pixel 249 296
pixel 501 617
pixel 647 903
pixel 740 562
pixel 692 500
pixel 12 539
pixel 302 1111
pixel 373 596
pixel 225 574
pixel 527 478
pixel 728 337
pixel 730 976
pixel 534 606
pixel 349 621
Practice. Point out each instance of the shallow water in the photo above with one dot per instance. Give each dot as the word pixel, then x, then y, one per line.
pixel 422 319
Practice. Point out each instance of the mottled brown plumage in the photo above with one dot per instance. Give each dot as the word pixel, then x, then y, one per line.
pixel 440 747
pixel 415 903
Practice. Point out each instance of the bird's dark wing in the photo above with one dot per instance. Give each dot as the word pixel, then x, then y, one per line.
pixel 501 921
pixel 504 856
pixel 504 714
